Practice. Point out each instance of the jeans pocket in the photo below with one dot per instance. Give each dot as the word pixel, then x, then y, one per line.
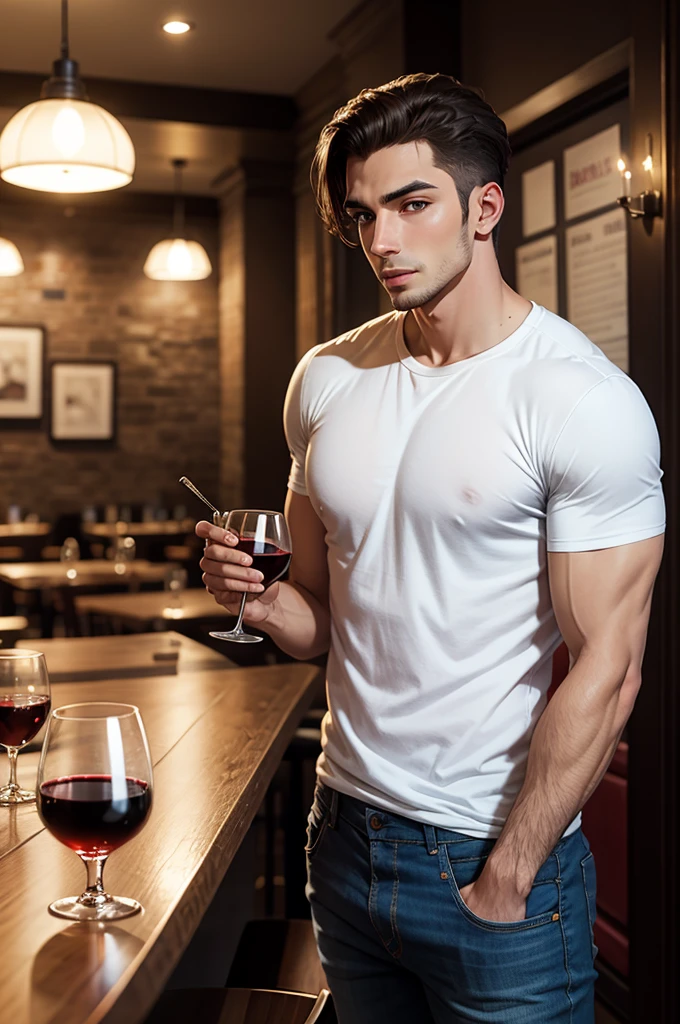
pixel 590 888
pixel 542 902
pixel 317 822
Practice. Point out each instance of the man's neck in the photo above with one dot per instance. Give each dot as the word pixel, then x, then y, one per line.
pixel 477 312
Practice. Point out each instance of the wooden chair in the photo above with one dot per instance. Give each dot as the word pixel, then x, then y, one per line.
pixel 241 1006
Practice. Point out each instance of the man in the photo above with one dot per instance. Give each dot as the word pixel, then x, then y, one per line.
pixel 472 481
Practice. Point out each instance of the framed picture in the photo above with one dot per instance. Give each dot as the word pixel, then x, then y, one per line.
pixel 21 372
pixel 83 401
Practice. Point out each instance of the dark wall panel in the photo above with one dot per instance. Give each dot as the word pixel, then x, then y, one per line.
pixel 511 50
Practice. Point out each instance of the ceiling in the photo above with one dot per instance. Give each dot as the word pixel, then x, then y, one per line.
pixel 267 46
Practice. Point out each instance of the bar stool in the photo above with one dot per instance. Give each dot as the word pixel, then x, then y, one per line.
pixel 241 1006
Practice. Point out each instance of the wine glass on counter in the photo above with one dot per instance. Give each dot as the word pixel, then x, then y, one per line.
pixel 94 794
pixel 24 706
pixel 264 536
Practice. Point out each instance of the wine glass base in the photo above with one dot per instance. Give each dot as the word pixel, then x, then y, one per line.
pixel 237 638
pixel 112 910
pixel 10 795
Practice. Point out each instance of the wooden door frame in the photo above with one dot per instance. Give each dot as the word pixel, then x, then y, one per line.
pixel 646 67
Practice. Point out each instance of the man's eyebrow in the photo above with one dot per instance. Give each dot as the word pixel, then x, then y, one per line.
pixel 413 186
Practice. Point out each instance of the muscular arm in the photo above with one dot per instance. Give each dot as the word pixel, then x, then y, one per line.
pixel 602 601
pixel 299 618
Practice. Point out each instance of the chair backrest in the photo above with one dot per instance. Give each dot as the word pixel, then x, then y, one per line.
pixel 242 1006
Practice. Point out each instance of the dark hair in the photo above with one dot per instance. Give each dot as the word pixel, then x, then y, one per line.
pixel 468 139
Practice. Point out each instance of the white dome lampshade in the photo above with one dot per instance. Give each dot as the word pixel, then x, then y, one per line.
pixel 62 142
pixel 66 145
pixel 11 262
pixel 178 258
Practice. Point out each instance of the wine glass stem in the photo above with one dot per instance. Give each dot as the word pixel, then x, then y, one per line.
pixel 237 627
pixel 95 892
pixel 13 753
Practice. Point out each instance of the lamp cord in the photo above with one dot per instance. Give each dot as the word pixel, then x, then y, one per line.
pixel 64 29
pixel 178 215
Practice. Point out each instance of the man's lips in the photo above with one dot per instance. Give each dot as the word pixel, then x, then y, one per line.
pixel 392 278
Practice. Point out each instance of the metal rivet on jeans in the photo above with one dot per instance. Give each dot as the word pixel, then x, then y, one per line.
pixel 556 917
pixel 376 822
pixel 443 875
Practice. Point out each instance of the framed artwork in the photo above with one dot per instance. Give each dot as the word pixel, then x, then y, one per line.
pixel 83 401
pixel 21 372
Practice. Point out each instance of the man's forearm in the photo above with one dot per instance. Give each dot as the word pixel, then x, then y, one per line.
pixel 298 623
pixel 573 743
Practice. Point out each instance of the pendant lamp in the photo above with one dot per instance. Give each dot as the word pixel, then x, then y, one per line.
pixel 178 258
pixel 62 142
pixel 11 262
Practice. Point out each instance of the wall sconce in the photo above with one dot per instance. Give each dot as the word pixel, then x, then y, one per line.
pixel 647 203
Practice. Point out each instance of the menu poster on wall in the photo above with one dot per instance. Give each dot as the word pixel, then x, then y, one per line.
pixel 597 283
pixel 538 199
pixel 591 176
pixel 536 271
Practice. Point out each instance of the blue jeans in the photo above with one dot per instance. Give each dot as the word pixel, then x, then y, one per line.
pixel 399 945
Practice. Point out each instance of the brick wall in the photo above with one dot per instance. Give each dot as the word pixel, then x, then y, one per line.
pixel 162 335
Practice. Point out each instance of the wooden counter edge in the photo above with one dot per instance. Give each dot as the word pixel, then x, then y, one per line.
pixel 138 988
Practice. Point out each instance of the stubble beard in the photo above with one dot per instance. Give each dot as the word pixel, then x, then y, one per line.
pixel 450 269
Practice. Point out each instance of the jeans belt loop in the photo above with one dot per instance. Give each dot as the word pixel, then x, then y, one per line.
pixel 333 816
pixel 430 839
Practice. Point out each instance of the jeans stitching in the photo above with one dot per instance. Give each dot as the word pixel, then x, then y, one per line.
pixel 591 922
pixel 564 939
pixel 500 927
pixel 311 850
pixel 393 905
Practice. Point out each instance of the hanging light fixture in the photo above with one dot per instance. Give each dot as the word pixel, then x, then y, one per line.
pixel 178 258
pixel 11 262
pixel 62 142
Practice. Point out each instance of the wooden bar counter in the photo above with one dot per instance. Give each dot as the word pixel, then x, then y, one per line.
pixel 216 738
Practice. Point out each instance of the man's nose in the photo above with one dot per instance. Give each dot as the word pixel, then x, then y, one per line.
pixel 385 239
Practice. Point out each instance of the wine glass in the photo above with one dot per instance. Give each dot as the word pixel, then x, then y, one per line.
pixel 264 536
pixel 70 556
pixel 94 794
pixel 24 706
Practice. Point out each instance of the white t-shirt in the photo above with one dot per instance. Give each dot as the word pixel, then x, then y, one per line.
pixel 441 490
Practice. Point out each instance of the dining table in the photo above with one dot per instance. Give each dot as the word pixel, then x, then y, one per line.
pixel 216 737
pixel 153 609
pixel 81 573
pixel 129 655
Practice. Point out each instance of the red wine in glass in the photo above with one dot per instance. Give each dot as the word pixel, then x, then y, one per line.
pixel 92 814
pixel 269 559
pixel 94 794
pixel 22 716
pixel 24 707
pixel 264 536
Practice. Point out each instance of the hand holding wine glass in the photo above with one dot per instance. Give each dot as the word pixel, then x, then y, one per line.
pixel 253 562
pixel 24 706
pixel 94 794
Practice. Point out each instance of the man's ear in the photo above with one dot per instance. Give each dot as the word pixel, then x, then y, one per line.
pixel 486 206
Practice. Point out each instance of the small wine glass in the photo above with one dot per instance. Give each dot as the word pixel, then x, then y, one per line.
pixel 70 556
pixel 94 794
pixel 264 536
pixel 24 706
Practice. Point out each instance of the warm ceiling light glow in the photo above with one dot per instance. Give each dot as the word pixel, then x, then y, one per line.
pixel 66 145
pixel 177 259
pixel 621 164
pixel 11 262
pixel 648 163
pixel 176 28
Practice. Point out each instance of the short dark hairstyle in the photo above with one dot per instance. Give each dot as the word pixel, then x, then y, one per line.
pixel 467 137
